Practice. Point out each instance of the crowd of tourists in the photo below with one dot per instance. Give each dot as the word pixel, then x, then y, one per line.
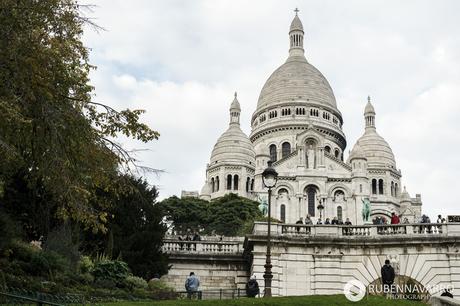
pixel 394 219
pixel 189 245
pixel 328 221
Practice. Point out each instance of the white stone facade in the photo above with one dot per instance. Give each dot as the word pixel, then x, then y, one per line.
pixel 298 126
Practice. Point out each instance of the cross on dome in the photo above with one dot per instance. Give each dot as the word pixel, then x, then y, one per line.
pixel 296 10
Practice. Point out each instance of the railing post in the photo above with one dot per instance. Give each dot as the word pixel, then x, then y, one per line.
pixel 373 231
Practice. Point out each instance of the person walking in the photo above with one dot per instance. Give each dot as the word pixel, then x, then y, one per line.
pixel 252 287
pixel 191 285
pixel 388 276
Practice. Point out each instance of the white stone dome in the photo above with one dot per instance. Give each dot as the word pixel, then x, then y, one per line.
pixel 405 197
pixel 233 146
pixel 296 80
pixel 375 148
pixel 357 152
pixel 377 151
pixel 205 190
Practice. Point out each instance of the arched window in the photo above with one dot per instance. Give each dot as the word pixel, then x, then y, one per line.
pixel 339 212
pixel 392 189
pixel 248 184
pixel 374 186
pixel 380 186
pixel 283 213
pixel 229 182
pixel 235 182
pixel 252 185
pixel 337 153
pixel 327 149
pixel 396 190
pixel 283 191
pixel 217 183
pixel 285 149
pixel 311 198
pixel 273 156
pixel 360 188
pixel 212 185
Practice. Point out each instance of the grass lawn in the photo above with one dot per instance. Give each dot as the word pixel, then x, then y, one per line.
pixel 314 300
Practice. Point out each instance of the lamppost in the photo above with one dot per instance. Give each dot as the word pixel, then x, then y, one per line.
pixel 269 178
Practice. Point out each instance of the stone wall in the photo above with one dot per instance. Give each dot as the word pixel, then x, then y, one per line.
pixel 323 263
pixel 218 264
pixel 226 272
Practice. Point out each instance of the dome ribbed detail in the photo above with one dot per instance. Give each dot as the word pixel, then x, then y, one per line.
pixel 357 152
pixel 296 80
pixel 376 150
pixel 233 147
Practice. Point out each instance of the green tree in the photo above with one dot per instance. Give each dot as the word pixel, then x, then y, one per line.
pixel 49 123
pixel 227 215
pixel 135 230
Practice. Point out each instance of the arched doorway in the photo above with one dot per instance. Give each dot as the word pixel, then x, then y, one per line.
pixel 404 288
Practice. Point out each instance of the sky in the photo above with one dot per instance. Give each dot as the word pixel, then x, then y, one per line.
pixel 182 61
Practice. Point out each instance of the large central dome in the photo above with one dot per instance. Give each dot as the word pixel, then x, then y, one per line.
pixel 296 96
pixel 296 80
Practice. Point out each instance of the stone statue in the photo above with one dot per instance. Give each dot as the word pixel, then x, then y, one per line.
pixel 263 206
pixel 310 157
pixel 366 212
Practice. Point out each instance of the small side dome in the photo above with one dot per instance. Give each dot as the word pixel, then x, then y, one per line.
pixel 233 147
pixel 357 152
pixel 376 150
pixel 206 190
pixel 405 197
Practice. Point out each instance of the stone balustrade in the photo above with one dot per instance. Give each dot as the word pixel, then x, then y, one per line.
pixel 172 245
pixel 371 230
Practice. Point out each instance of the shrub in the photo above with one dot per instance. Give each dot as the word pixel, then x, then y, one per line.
pixel 86 264
pixel 47 263
pixel 112 270
pixel 161 291
pixel 105 283
pixel 134 282
pixel 23 251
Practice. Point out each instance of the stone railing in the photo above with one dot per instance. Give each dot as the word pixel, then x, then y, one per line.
pixel 415 229
pixel 176 246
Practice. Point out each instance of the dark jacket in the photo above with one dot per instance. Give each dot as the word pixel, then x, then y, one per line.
pixel 388 275
pixel 447 293
pixel 252 288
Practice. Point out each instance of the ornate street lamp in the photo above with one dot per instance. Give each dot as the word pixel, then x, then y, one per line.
pixel 269 178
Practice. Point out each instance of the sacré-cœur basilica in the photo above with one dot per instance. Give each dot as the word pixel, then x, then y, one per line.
pixel 298 126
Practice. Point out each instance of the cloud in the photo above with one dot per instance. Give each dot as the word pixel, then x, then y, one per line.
pixel 182 61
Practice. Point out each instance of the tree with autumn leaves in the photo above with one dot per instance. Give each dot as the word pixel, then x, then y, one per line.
pixel 60 161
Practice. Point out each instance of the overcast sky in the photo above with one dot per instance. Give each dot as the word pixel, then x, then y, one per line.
pixel 182 61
